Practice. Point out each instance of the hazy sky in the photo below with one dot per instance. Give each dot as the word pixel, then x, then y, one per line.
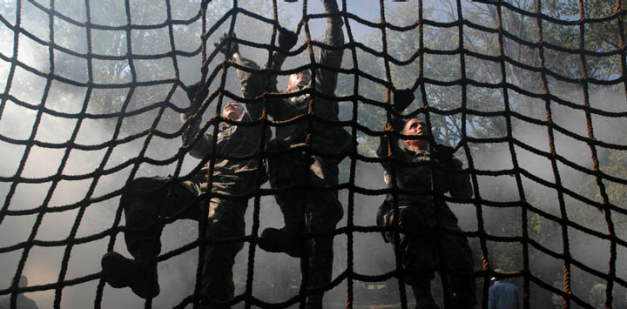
pixel 372 255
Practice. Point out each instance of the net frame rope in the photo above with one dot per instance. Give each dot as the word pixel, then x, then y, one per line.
pixel 218 96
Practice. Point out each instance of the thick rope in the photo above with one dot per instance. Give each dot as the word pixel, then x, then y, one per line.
pixel 210 74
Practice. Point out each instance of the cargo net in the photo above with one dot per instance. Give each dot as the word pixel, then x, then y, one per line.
pixel 530 93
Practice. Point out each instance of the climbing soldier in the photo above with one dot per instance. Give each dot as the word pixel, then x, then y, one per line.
pixel 429 237
pixel 146 200
pixel 295 163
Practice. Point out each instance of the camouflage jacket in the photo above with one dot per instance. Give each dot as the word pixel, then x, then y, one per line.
pixel 417 171
pixel 326 137
pixel 231 174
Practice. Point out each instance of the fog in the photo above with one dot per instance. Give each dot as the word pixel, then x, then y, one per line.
pixel 51 112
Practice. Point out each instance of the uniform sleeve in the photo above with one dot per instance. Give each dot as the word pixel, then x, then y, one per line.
pixel 326 80
pixel 459 184
pixel 382 151
pixel 393 140
pixel 254 84
pixel 204 145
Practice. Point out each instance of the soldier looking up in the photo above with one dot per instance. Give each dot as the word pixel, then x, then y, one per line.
pixel 294 162
pixel 429 236
pixel 146 199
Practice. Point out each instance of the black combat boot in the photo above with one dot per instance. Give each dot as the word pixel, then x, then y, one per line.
pixel 120 272
pixel 289 238
pixel 422 293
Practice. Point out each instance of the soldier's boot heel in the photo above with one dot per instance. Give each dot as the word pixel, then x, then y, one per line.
pixel 289 238
pixel 120 272
pixel 422 294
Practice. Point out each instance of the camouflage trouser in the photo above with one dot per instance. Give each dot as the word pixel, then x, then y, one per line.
pixel 145 199
pixel 293 168
pixel 426 248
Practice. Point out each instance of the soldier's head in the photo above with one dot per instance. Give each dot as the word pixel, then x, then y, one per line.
pixel 298 81
pixel 233 111
pixel 416 127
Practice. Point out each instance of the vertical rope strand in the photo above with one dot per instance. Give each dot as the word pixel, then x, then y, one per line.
pixel 595 160
pixel 304 262
pixel 260 166
pixel 350 267
pixel 526 272
pixel 400 271
pixel 553 151
pixel 20 169
pixel 203 224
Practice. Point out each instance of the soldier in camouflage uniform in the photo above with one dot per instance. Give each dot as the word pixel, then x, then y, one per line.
pixel 429 236
pixel 145 200
pixel 292 168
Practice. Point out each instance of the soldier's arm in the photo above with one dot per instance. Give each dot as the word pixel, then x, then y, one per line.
pixel 397 127
pixel 460 186
pixel 204 144
pixel 402 99
pixel 391 141
pixel 326 80
pixel 255 84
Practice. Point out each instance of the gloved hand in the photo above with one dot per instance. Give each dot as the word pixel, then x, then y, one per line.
pixel 223 44
pixel 287 39
pixel 444 153
pixel 402 99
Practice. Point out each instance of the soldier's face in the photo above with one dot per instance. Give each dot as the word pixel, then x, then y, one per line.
pixel 298 80
pixel 233 111
pixel 416 127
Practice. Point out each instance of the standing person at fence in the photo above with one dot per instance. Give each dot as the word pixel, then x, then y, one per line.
pixel 22 301
pixel 429 237
pixel 503 294
pixel 292 168
pixel 597 294
pixel 145 200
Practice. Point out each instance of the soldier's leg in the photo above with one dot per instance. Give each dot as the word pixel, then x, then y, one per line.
pixel 458 258
pixel 321 218
pixel 287 170
pixel 144 200
pixel 226 220
pixel 418 250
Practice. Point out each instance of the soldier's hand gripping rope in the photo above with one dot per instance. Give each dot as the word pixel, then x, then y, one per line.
pixel 223 45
